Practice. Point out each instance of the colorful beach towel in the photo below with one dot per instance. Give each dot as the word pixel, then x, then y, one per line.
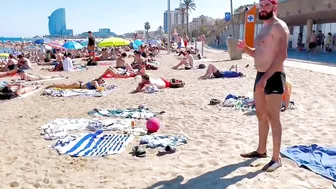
pixel 60 128
pixel 239 102
pixel 79 92
pixel 93 145
pixel 321 160
pixel 163 141
pixel 132 113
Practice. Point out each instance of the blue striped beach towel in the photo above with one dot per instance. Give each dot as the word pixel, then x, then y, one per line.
pixel 93 145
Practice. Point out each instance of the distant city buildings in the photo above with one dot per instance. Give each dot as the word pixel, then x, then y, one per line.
pixel 101 33
pixel 176 21
pixel 57 24
pixel 176 18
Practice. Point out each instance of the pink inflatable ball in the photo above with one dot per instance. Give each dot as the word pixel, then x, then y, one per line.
pixel 153 125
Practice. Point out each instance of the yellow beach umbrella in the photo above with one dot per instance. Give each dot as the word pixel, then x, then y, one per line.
pixel 4 55
pixel 113 41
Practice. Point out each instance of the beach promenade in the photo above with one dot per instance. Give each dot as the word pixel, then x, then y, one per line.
pixel 216 135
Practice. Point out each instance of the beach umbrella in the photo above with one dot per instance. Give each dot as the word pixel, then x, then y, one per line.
pixel 154 42
pixel 72 45
pixel 55 45
pixel 4 55
pixel 41 41
pixel 113 41
pixel 84 43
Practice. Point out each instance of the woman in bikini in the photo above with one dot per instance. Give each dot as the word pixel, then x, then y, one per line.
pixel 11 91
pixel 91 85
pixel 146 81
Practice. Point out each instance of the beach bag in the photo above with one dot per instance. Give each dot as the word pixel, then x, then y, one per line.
pixel 175 83
pixel 151 67
pixel 92 63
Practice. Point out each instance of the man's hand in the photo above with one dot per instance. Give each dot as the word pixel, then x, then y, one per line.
pixel 241 45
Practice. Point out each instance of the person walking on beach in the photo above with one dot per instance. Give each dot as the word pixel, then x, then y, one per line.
pixel 269 55
pixel 91 45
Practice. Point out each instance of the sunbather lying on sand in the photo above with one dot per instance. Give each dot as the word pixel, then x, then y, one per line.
pixel 91 85
pixel 188 61
pixel 159 83
pixel 123 73
pixel 14 90
pixel 29 77
pixel 146 81
pixel 8 74
pixel 213 72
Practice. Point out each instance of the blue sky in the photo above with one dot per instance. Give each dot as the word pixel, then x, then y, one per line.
pixel 29 18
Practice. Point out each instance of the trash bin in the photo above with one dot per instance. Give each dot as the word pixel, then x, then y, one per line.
pixel 234 52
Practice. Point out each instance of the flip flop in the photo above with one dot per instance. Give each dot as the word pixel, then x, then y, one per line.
pixel 254 154
pixel 139 151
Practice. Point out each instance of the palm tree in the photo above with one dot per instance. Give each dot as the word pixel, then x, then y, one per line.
pixel 147 27
pixel 188 5
pixel 183 13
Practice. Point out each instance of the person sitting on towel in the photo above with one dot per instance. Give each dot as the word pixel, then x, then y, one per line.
pixel 10 91
pixel 91 85
pixel 121 63
pixel 146 81
pixel 187 61
pixel 29 77
pixel 213 72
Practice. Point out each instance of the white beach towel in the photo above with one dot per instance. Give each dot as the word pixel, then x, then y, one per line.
pixel 79 92
pixel 94 145
pixel 60 128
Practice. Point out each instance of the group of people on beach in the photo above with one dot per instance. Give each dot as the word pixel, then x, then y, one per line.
pixel 270 86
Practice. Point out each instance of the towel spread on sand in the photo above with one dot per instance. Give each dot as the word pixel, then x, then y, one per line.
pixel 79 92
pixel 163 141
pixel 94 144
pixel 321 160
pixel 132 113
pixel 60 128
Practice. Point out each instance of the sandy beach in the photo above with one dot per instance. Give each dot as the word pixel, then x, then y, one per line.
pixel 216 135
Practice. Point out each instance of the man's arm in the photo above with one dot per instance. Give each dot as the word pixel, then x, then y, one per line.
pixel 281 40
pixel 250 51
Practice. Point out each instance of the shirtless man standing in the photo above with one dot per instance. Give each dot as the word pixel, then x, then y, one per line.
pixel 269 55
pixel 91 45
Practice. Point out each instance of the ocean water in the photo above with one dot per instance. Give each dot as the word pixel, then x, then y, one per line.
pixel 324 57
pixel 12 39
pixel 15 39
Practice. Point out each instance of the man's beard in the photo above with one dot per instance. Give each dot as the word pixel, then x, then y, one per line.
pixel 266 16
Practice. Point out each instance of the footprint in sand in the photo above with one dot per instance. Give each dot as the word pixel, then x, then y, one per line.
pixel 14 184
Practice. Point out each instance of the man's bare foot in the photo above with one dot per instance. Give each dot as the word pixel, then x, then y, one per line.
pixel 174 68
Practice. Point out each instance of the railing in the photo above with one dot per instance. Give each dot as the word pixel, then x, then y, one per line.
pixel 217 31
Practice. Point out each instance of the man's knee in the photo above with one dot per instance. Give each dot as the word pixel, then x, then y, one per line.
pixel 261 115
pixel 273 118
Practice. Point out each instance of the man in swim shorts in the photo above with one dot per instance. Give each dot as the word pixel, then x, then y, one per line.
pixel 188 61
pixel 91 45
pixel 269 55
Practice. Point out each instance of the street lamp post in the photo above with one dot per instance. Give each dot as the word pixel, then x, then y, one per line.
pixel 232 18
pixel 169 26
